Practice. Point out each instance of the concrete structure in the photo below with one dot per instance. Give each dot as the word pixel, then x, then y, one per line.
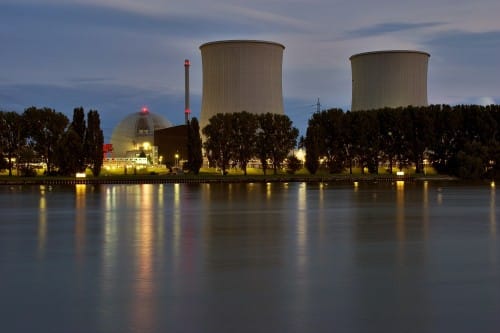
pixel 241 75
pixel 389 79
pixel 135 134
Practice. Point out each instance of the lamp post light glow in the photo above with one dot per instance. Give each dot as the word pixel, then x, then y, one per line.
pixel 177 160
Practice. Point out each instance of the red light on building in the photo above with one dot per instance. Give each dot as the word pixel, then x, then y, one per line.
pixel 144 109
pixel 107 148
pixel 187 62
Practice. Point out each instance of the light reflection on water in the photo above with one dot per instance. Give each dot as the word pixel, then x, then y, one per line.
pixel 250 257
pixel 42 222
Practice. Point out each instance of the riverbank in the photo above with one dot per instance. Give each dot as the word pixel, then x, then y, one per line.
pixel 206 178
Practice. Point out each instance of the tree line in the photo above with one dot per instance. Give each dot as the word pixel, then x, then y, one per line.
pixel 234 139
pixel 42 135
pixel 462 140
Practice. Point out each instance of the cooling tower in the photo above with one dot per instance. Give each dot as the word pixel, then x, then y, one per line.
pixel 389 79
pixel 241 75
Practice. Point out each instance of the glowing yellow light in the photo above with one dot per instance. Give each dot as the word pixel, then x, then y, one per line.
pixel 80 175
pixel 146 145
pixel 492 184
pixel 400 173
pixel 301 155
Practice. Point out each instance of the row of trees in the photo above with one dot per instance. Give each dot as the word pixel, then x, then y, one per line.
pixel 237 138
pixel 46 136
pixel 462 140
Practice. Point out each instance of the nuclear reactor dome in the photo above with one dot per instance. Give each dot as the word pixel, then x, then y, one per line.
pixel 241 75
pixel 389 79
pixel 136 131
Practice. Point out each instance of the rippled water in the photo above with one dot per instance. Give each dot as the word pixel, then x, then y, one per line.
pixel 292 257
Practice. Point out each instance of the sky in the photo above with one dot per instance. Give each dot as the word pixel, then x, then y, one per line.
pixel 116 56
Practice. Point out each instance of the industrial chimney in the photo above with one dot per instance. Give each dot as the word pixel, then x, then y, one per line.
pixel 187 111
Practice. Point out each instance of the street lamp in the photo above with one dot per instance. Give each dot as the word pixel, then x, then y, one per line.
pixel 177 160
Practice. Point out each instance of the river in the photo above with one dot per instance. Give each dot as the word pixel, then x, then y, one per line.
pixel 276 257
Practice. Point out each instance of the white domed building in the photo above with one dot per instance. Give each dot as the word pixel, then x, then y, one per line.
pixel 133 137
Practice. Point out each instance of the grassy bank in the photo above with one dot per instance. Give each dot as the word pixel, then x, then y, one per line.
pixel 162 175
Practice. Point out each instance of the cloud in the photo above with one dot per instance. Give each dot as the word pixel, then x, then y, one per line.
pixel 386 28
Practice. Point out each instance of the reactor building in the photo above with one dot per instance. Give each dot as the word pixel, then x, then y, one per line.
pixel 134 135
pixel 241 75
pixel 389 79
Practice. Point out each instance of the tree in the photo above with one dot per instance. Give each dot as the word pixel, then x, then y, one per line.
pixel 11 138
pixel 293 164
pixel 311 143
pixel 421 135
pixel 244 138
pixel 79 127
pixel 195 157
pixel 276 137
pixel 45 130
pixel 328 127
pixel 362 131
pixel 69 153
pixel 218 144
pixel 448 138
pixel 348 137
pixel 94 141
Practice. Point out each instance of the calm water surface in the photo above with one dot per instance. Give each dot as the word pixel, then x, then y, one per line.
pixel 292 257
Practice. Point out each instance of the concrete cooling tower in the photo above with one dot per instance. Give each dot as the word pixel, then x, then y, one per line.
pixel 389 79
pixel 241 75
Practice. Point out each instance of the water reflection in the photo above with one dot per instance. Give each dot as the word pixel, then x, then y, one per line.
pixel 302 227
pixel 80 220
pixel 400 210
pixel 425 209
pixel 493 228
pixel 240 225
pixel 42 221
pixel 389 253
pixel 176 225
pixel 493 208
pixel 143 309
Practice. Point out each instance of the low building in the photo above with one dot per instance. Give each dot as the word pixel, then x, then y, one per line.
pixel 172 145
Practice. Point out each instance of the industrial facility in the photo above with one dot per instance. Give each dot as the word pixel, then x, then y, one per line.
pixel 246 75
pixel 241 75
pixel 389 79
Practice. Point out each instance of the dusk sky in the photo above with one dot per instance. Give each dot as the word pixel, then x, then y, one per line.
pixel 119 55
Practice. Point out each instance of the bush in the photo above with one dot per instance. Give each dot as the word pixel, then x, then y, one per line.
pixel 27 171
pixel 293 164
